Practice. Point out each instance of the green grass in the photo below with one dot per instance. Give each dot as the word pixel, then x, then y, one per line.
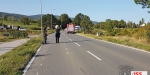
pixel 14 62
pixel 32 25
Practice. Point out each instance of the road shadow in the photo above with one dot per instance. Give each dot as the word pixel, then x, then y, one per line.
pixel 68 41
pixel 40 55
pixel 75 41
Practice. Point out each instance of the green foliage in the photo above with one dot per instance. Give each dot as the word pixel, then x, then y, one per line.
pixel 15 33
pixel 25 20
pixel 124 32
pixel 86 24
pixel 35 28
pixel 77 19
pixel 11 19
pixel 13 62
pixel 141 33
pixel 122 24
pixel 148 33
pixel 64 19
pixel 144 3
pixel 48 20
pixel 4 17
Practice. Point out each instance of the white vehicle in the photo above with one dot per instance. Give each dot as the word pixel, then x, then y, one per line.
pixel 77 28
pixel 22 29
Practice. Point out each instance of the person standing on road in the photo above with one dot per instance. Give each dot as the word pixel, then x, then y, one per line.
pixel 44 35
pixel 57 34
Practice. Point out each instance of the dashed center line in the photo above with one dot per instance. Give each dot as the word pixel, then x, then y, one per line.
pixel 94 55
pixel 77 44
pixel 70 39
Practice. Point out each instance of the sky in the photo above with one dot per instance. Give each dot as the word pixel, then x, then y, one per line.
pixel 97 10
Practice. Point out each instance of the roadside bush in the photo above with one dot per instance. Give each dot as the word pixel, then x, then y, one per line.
pixel 15 33
pixel 148 35
pixel 35 28
pixel 141 33
pixel 123 32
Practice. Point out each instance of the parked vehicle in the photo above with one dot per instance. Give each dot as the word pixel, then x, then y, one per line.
pixel 77 28
pixel 22 29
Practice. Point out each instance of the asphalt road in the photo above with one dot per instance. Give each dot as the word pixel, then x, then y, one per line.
pixel 78 55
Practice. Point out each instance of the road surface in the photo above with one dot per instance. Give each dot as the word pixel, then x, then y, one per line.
pixel 78 55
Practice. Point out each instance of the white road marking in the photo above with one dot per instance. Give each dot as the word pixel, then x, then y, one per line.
pixel 68 53
pixel 37 74
pixel 29 64
pixel 77 44
pixel 70 39
pixel 43 58
pixel 41 64
pixel 126 46
pixel 66 49
pixel 66 37
pixel 94 55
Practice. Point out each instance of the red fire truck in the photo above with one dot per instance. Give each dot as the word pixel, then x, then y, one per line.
pixel 70 28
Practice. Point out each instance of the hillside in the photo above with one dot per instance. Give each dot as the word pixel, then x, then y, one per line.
pixel 33 17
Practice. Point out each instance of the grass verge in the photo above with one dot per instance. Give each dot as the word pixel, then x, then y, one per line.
pixel 14 61
pixel 127 41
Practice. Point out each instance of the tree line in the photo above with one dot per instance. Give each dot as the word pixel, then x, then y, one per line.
pixel 49 20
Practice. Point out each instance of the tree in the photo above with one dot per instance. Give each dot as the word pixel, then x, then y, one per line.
pixel 102 25
pixel 122 24
pixel 143 21
pixel 130 24
pixel 144 3
pixel 86 23
pixel 11 19
pixel 77 19
pixel 140 22
pixel 24 20
pixel 3 17
pixel 115 23
pixel 64 18
pixel 46 20
pixel 110 27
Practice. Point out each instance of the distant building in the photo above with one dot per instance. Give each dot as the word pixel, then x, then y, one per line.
pixel 142 25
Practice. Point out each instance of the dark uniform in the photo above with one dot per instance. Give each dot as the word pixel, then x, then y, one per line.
pixel 57 35
pixel 44 35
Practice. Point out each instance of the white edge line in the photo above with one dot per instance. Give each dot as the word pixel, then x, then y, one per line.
pixel 94 55
pixel 77 44
pixel 29 64
pixel 126 46
pixel 137 49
